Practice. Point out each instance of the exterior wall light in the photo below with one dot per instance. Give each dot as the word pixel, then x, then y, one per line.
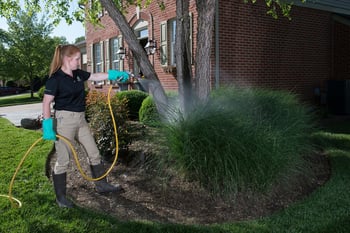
pixel 122 53
pixel 151 47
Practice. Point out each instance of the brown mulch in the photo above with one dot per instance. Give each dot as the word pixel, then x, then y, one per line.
pixel 152 197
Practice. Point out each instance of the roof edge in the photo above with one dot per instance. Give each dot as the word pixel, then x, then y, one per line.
pixel 343 8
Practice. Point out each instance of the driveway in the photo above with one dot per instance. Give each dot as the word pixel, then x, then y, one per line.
pixel 16 113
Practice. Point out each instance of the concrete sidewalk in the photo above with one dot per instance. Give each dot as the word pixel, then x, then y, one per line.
pixel 16 113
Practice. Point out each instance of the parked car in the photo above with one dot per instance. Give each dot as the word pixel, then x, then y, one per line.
pixel 10 90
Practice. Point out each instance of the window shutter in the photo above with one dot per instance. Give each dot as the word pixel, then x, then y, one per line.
pixel 163 44
pixel 102 57
pixel 108 49
pixel 121 62
pixel 108 82
pixel 92 59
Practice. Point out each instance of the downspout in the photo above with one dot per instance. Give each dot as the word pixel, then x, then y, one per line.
pixel 217 52
pixel 152 33
pixel 152 25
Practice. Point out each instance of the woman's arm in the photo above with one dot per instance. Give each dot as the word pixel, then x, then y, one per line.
pixel 111 75
pixel 98 76
pixel 47 105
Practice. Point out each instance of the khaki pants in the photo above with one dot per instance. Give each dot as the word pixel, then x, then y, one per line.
pixel 73 126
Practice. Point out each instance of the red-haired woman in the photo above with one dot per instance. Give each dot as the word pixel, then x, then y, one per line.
pixel 65 87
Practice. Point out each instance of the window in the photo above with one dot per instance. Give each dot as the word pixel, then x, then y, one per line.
pixel 167 46
pixel 141 32
pixel 97 58
pixel 141 29
pixel 97 64
pixel 172 26
pixel 163 44
pixel 114 47
pixel 167 41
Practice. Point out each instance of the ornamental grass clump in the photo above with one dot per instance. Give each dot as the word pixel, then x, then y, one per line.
pixel 241 140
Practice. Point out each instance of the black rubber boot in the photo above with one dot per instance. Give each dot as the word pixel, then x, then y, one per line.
pixel 101 185
pixel 59 183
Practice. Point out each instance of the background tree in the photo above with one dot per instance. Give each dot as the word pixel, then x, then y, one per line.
pixel 28 48
pixel 79 39
pixel 3 37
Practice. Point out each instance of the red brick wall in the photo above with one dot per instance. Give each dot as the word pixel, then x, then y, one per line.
pixel 257 50
pixel 154 16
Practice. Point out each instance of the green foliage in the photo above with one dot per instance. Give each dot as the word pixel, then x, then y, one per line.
pixel 28 49
pixel 274 6
pixel 79 39
pixel 134 100
pixel 100 120
pixel 95 8
pixel 63 9
pixel 148 113
pixel 41 92
pixel 242 139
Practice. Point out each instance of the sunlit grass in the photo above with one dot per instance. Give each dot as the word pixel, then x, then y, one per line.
pixel 24 98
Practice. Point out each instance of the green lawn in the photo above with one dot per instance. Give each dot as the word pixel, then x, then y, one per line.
pixel 24 98
pixel 325 210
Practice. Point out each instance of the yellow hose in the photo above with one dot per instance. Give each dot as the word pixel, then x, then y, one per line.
pixel 13 200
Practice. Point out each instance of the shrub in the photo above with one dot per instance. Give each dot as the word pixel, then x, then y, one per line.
pixel 134 100
pixel 242 139
pixel 100 121
pixel 41 92
pixel 148 113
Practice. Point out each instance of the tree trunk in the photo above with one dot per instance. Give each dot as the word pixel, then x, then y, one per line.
pixel 206 14
pixel 31 81
pixel 182 54
pixel 140 55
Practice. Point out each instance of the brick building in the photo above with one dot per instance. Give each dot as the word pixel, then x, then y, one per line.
pixel 249 47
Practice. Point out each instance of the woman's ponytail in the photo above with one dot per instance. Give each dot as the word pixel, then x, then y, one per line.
pixel 56 62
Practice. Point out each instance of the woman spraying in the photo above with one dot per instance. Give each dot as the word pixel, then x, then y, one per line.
pixel 65 87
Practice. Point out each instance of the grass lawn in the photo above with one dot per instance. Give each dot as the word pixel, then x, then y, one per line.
pixel 19 99
pixel 325 210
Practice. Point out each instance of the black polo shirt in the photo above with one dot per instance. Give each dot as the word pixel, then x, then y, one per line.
pixel 69 92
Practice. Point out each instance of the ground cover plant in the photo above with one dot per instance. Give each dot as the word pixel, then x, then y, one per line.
pixel 327 209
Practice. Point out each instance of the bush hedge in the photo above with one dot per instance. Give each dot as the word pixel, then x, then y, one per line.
pixel 41 92
pixel 148 113
pixel 100 120
pixel 134 100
